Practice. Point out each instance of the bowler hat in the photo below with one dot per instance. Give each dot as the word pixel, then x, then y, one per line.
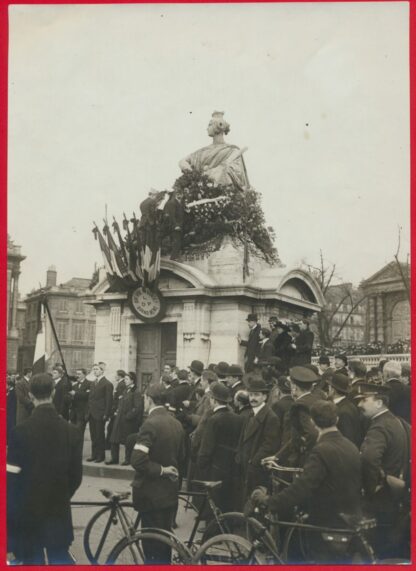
pixel 222 369
pixel 255 384
pixel 340 383
pixel 235 371
pixel 197 367
pixel 220 392
pixel 303 375
pixel 343 357
pixel 252 317
pixel 368 389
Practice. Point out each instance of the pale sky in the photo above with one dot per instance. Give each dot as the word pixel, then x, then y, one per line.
pixel 105 100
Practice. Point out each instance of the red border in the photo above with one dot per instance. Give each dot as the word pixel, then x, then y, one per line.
pixel 4 4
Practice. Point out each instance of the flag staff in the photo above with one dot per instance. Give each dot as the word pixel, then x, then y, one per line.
pixel 46 306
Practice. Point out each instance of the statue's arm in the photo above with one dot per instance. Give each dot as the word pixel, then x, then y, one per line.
pixel 185 164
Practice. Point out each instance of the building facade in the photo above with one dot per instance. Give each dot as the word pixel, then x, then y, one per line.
pixel 14 306
pixel 347 326
pixel 74 323
pixel 388 306
pixel 206 303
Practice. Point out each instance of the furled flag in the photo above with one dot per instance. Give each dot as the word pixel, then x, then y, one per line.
pixel 47 348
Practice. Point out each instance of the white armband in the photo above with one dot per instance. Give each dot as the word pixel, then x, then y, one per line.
pixel 142 448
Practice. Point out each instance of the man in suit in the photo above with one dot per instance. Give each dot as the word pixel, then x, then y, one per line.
pixel 281 406
pixel 252 343
pixel 216 456
pixel 349 421
pixel 260 437
pixel 385 452
pixel 330 483
pixel 399 396
pixel 61 398
pixel 299 432
pixel 99 404
pixel 304 344
pixel 235 379
pixel 46 451
pixel 341 363
pixel 119 388
pixel 80 394
pixel 157 458
pixel 24 404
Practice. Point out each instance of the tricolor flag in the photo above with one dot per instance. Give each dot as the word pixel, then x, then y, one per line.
pixel 47 348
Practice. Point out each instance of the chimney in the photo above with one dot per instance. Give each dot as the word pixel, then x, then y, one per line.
pixel 51 276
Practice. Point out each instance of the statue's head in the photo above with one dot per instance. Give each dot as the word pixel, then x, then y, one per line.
pixel 218 125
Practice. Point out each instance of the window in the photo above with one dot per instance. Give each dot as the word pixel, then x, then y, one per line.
pixel 79 306
pixel 91 332
pixel 78 331
pixel 63 305
pixel 76 358
pixel 62 330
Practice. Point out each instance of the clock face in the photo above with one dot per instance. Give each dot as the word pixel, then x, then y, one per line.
pixel 147 304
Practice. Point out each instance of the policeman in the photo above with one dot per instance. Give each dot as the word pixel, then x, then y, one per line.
pixel 385 455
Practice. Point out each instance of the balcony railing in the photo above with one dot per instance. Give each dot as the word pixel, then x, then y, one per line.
pixel 372 360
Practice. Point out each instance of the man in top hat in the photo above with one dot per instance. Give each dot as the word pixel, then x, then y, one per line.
pixel 349 421
pixel 329 485
pixel 216 457
pixel 260 437
pixel 235 379
pixel 385 451
pixel 299 433
pixel 157 458
pixel 252 342
pixel 341 362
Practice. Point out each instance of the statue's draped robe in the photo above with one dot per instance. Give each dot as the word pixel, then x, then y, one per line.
pixel 223 163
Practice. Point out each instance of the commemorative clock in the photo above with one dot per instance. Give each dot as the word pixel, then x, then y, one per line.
pixel 147 304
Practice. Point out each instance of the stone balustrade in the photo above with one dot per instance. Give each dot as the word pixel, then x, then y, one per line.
pixel 372 360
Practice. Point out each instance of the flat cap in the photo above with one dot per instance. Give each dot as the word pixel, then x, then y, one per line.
pixel 303 375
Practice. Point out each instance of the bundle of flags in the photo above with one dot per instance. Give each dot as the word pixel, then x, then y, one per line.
pixel 134 259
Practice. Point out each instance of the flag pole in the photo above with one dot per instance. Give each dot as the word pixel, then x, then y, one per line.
pixel 46 306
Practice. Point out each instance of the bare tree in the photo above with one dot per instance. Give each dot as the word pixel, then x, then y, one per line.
pixel 404 269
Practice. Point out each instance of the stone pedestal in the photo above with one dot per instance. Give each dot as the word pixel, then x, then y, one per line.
pixel 208 301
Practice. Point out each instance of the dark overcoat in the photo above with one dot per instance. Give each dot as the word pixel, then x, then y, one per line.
pixel 160 442
pixel 49 452
pixel 101 399
pixel 283 348
pixel 399 398
pixel 349 421
pixel 24 405
pixel 303 352
pixel 259 438
pixel 329 485
pixel 128 417
pixel 79 408
pixel 251 346
pixel 61 397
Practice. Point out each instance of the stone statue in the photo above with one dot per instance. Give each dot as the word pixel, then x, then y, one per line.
pixel 222 162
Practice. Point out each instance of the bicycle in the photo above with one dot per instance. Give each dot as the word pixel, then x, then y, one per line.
pixel 115 520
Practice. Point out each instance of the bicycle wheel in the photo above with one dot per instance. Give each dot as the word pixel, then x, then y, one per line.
pixel 132 551
pixel 104 530
pixel 249 528
pixel 227 549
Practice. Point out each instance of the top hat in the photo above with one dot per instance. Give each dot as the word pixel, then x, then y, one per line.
pixel 252 317
pixel 221 369
pixel 303 375
pixel 235 371
pixel 197 367
pixel 220 392
pixel 340 383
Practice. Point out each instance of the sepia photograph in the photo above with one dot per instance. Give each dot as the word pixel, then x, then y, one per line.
pixel 208 284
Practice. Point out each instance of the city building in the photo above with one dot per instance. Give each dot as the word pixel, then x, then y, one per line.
pixel 14 307
pixel 346 315
pixel 74 323
pixel 388 306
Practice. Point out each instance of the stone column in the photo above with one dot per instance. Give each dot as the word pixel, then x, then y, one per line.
pixel 9 298
pixel 13 325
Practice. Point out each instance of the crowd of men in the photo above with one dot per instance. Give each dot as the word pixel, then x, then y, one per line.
pixel 348 429
pixel 375 348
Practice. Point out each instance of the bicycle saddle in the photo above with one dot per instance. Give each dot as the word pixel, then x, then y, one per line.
pixel 118 496
pixel 207 485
